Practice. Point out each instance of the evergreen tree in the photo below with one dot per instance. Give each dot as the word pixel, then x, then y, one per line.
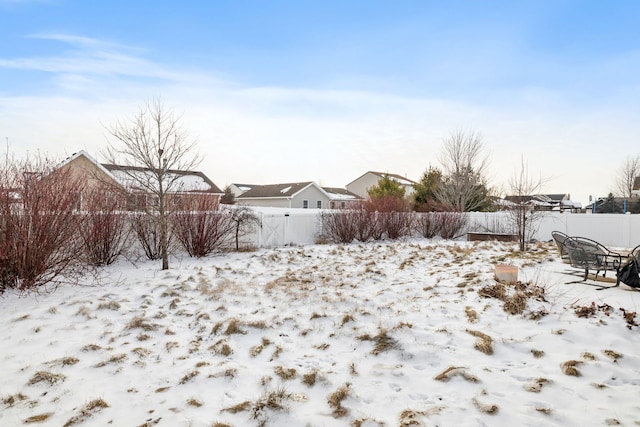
pixel 386 187
pixel 228 198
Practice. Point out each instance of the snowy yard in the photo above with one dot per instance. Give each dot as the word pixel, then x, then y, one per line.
pixel 379 334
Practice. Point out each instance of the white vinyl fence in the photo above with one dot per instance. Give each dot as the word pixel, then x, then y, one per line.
pixel 280 227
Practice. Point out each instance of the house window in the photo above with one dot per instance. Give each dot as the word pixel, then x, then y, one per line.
pixel 319 204
pixel 305 204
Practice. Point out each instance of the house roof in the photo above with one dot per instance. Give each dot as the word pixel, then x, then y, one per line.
pixel 340 194
pixel 286 190
pixel 244 187
pixel 398 178
pixel 184 181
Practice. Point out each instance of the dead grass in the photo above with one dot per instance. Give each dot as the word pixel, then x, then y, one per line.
pixel 472 315
pixel 188 377
pixel 13 399
pixel 271 400
pixel 40 418
pixel 484 343
pixel 111 305
pixel 612 355
pixel 116 358
pixel 140 322
pixel 382 342
pixel 516 303
pixel 86 412
pixel 46 377
pixel 569 368
pixel 485 408
pixel 64 361
pixel 194 402
pixel 285 373
pixel 454 371
pixel 233 327
pixel 535 386
pixel 335 400
pixel 310 378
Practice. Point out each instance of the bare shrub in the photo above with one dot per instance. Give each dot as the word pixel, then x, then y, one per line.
pixel 106 230
pixel 147 230
pixel 451 224
pixel 340 226
pixel 427 224
pixel 39 242
pixel 202 229
pixel 393 217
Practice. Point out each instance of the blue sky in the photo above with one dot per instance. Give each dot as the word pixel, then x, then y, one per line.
pixel 280 91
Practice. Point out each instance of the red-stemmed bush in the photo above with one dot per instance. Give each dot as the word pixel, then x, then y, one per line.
pixel 451 224
pixel 106 231
pixel 201 229
pixel 39 225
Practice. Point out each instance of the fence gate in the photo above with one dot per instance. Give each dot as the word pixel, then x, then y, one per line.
pixel 272 231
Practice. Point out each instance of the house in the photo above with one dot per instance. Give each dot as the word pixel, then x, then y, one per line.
pixel 119 181
pixel 614 205
pixel 341 198
pixel 239 189
pixel 361 185
pixel 302 195
pixel 544 202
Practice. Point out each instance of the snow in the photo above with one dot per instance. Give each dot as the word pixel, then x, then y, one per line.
pixel 388 333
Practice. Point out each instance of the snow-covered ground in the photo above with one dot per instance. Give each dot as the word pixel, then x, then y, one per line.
pixel 380 334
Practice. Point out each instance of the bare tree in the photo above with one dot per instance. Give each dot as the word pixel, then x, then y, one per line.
pixel 464 166
pixel 523 215
pixel 627 175
pixel 155 143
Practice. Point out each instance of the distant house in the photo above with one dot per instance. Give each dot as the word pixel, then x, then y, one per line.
pixel 604 205
pixel 341 198
pixel 302 195
pixel 239 189
pixel 545 202
pixel 117 180
pixel 362 184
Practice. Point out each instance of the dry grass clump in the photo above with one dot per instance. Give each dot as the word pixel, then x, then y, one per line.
pixel 188 377
pixel 516 303
pixel 274 400
pixel 586 311
pixel 485 408
pixel 216 424
pixel 498 291
pixel 46 377
pixel 194 402
pixel 140 322
pixel 535 386
pixel 233 327
pixel 221 348
pixel 87 411
pixel 382 342
pixel 310 378
pixel 256 350
pixel 346 319
pixel 91 347
pixel 537 353
pixel 453 371
pixel 116 358
pixel 285 373
pixel 612 355
pixel 335 400
pixel 472 315
pixel 569 368
pixel 40 418
pixel 13 399
pixel 64 361
pixel 484 343
pixel 111 305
